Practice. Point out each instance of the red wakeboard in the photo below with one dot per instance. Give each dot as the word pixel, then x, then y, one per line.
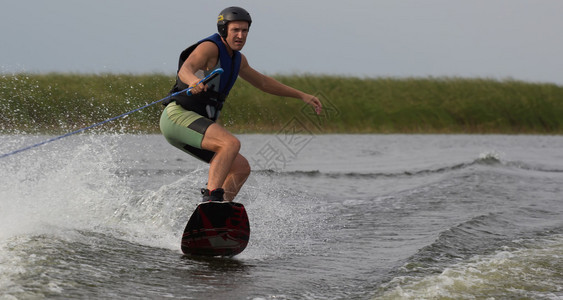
pixel 216 229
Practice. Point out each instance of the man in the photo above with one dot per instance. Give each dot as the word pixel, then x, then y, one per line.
pixel 188 122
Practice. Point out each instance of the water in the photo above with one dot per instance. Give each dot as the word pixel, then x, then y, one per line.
pixel 332 217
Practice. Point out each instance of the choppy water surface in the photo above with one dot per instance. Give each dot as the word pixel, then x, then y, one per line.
pixel 332 216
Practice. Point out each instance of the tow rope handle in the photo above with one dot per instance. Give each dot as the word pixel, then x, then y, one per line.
pixel 205 80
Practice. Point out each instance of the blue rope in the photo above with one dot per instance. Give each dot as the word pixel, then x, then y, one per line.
pixel 204 80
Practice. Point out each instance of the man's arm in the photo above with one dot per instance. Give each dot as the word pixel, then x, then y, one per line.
pixel 204 55
pixel 270 85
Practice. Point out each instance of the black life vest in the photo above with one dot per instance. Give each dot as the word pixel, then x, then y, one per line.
pixel 209 103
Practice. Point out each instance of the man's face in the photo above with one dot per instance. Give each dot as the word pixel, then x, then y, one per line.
pixel 237 32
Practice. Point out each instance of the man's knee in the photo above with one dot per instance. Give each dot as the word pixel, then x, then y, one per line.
pixel 234 144
pixel 230 144
pixel 217 139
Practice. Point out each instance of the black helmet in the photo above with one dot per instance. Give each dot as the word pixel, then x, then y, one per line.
pixel 229 14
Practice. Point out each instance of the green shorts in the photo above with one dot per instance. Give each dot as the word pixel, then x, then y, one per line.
pixel 184 130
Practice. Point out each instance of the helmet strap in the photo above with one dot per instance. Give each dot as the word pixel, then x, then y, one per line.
pixel 226 42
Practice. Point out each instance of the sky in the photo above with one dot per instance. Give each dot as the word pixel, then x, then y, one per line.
pixel 499 39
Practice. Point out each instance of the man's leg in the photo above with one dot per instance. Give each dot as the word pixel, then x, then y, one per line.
pixel 228 169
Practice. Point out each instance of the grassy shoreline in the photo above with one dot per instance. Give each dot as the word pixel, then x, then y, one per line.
pixel 58 103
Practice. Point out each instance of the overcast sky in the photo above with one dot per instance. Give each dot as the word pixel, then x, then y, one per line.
pixel 518 39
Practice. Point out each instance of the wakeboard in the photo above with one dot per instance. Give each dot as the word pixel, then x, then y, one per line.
pixel 216 229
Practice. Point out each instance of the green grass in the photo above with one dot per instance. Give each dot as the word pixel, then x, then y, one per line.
pixel 55 103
